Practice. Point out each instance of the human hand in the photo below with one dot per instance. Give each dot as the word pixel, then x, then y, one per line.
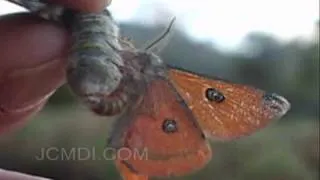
pixel 32 65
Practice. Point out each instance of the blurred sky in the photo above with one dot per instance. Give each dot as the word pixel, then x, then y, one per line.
pixel 225 22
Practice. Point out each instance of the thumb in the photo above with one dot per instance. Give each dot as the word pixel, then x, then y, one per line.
pixel 32 65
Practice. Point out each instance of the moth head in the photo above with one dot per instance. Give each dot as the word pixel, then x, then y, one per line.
pixel 152 65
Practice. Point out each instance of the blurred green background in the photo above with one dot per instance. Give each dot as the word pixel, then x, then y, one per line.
pixel 286 150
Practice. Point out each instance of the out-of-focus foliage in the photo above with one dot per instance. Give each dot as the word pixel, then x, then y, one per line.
pixel 284 151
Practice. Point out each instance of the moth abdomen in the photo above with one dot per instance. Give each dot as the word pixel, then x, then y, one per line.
pixel 93 70
pixel 109 105
pixel 96 31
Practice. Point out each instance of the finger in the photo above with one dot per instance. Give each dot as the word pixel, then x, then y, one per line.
pixel 12 175
pixel 84 5
pixel 32 65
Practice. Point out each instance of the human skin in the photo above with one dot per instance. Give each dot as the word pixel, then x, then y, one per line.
pixel 32 66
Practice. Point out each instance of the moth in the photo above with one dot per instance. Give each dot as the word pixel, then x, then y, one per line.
pixel 178 111
pixel 170 112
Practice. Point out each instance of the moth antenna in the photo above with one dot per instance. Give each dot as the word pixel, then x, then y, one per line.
pixel 162 36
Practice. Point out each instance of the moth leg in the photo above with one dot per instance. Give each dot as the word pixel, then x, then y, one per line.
pixel 52 12
pixel 45 10
pixel 31 5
